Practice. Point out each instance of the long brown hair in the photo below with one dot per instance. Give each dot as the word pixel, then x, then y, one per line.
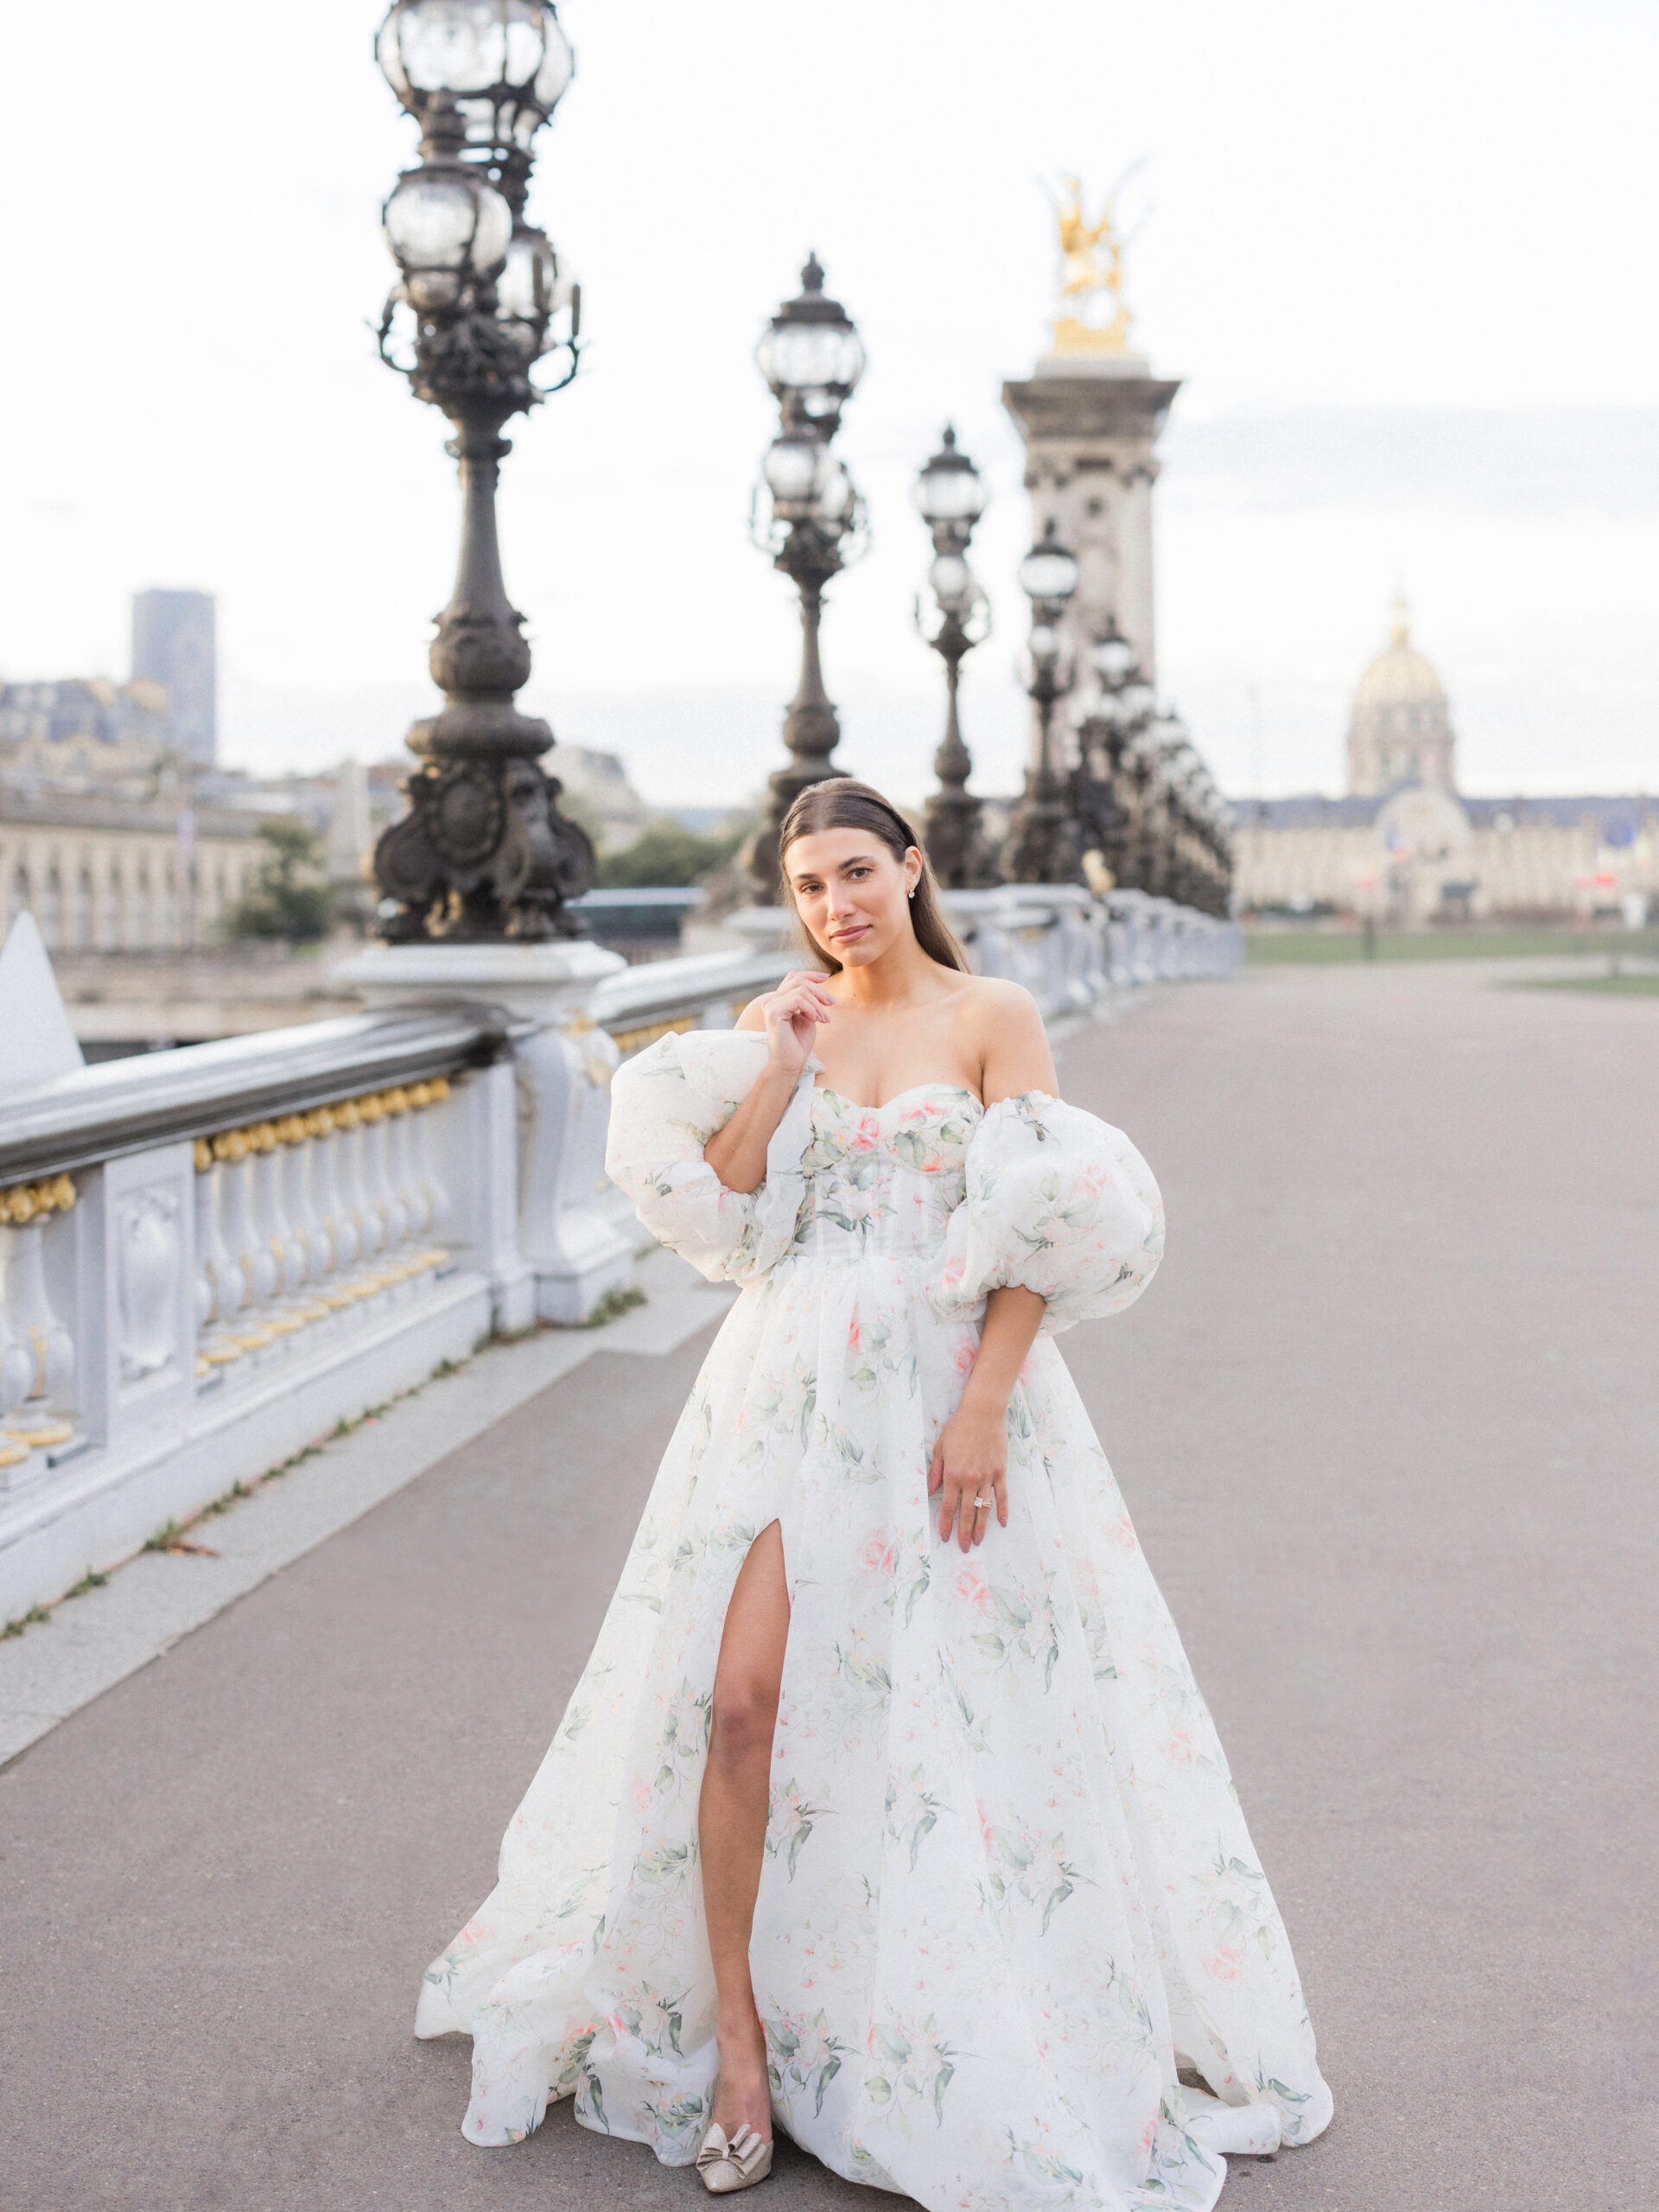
pixel 842 803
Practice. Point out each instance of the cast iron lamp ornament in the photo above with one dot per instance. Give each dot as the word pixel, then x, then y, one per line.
pixel 1098 795
pixel 812 525
pixel 483 853
pixel 951 494
pixel 1043 845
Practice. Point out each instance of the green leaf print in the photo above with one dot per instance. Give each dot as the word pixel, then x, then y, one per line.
pixel 918 1589
pixel 682 2118
pixel 1040 2165
pixel 942 2082
pixel 1056 1896
pixel 826 2076
pixel 789 1822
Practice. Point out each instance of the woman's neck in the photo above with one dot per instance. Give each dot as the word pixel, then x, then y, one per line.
pixel 896 977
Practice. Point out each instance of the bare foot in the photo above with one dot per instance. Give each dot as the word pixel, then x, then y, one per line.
pixel 743 2092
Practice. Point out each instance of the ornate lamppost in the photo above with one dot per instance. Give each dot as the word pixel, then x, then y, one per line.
pixel 1097 798
pixel 1113 794
pixel 950 495
pixel 812 525
pixel 483 854
pixel 1043 839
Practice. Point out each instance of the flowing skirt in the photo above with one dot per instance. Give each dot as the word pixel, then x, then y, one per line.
pixel 1007 1892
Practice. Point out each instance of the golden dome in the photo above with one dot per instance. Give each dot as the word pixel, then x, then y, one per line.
pixel 1399 676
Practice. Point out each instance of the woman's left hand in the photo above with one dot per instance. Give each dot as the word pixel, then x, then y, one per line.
pixel 971 1473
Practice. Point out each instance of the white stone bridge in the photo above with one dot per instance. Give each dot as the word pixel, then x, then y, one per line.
pixel 1386 1422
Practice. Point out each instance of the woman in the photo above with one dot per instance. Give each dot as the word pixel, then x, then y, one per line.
pixel 887 1803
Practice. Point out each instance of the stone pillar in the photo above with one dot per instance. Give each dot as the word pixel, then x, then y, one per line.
pixel 1090 424
pixel 561 1065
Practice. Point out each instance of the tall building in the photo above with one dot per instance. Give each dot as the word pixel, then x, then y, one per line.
pixel 1401 731
pixel 173 643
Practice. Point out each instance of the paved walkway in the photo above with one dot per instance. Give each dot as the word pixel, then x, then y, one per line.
pixel 1387 1421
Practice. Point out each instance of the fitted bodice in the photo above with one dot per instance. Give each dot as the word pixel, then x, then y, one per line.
pixel 882 1182
pixel 963 1199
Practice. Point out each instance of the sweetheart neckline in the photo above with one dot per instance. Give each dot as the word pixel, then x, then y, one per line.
pixel 960 1090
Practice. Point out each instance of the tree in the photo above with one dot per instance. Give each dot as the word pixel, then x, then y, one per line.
pixel 290 898
pixel 668 856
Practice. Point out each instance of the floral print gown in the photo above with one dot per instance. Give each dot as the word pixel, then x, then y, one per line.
pixel 1008 1895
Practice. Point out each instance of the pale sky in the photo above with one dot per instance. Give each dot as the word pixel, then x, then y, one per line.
pixel 1400 254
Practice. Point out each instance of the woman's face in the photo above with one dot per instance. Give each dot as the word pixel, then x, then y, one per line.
pixel 850 891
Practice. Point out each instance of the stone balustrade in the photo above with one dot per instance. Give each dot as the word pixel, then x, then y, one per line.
pixel 210 1256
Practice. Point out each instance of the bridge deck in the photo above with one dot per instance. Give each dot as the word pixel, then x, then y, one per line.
pixel 1386 1422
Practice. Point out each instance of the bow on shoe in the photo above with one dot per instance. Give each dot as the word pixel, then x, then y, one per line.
pixel 737 2163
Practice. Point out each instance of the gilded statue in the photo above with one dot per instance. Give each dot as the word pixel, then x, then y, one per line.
pixel 1093 318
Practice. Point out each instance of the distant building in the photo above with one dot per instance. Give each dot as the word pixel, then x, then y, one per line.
pixel 100 876
pixel 596 792
pixel 1401 732
pixel 174 644
pixel 1405 847
pixel 116 832
pixel 85 735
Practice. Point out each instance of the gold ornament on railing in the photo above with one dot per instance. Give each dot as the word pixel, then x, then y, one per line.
pixel 236 1144
pixel 23 1201
pixel 349 1203
pixel 34 1422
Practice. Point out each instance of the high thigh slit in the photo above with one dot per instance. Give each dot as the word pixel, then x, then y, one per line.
pixel 1006 1890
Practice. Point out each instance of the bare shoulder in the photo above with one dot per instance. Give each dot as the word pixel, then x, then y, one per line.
pixel 1009 1037
pixel 753 1015
pixel 991 1007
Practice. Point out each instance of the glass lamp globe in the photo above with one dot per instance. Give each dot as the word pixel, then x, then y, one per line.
pixel 528 291
pixel 1137 698
pixel 791 469
pixel 811 353
pixel 1114 658
pixel 1048 657
pixel 506 63
pixel 444 228
pixel 952 583
pixel 1048 573
pixel 951 489
pixel 833 504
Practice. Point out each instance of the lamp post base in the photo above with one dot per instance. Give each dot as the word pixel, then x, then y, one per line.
pixel 956 848
pixel 1043 845
pixel 576 1241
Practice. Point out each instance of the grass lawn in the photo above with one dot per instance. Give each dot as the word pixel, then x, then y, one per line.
pixel 1263 947
pixel 1644 986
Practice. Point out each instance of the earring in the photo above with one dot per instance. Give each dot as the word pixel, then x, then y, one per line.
pixel 911 893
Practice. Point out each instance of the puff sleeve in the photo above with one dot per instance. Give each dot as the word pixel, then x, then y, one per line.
pixel 666 1103
pixel 1058 1202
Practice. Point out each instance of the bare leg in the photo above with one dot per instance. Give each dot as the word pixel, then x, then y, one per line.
pixel 732 1820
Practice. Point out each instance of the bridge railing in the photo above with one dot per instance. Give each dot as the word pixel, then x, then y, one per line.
pixel 210 1256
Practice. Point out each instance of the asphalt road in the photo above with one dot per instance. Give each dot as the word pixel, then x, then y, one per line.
pixel 1387 1422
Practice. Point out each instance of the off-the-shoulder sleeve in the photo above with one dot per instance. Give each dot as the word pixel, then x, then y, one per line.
pixel 1058 1202
pixel 666 1103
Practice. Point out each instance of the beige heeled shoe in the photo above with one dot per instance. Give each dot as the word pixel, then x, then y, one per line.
pixel 738 2163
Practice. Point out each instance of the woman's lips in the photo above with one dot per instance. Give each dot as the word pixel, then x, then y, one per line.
pixel 846 937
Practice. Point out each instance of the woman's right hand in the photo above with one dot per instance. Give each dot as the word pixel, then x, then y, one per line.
pixel 792 1014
